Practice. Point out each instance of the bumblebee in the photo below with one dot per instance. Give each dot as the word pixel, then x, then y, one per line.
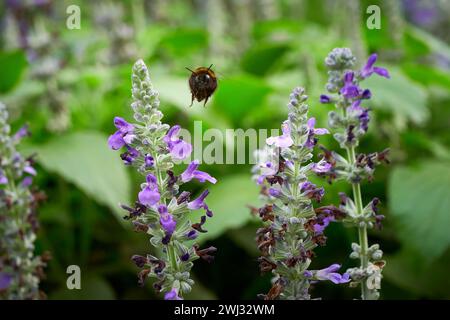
pixel 203 83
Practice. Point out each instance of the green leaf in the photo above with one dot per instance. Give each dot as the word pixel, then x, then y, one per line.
pixel 419 201
pixel 432 42
pixel 228 199
pixel 399 95
pixel 183 41
pixel 261 59
pixel 239 95
pixel 12 65
pixel 84 159
pixel 277 29
pixel 92 288
pixel 408 270
pixel 427 75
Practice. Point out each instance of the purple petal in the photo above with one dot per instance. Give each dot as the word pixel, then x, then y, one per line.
pixel 348 77
pixel 199 202
pixel 321 167
pixel 193 234
pixel 324 98
pixel 366 94
pixel 321 131
pixel 149 196
pixel 274 192
pixel 26 182
pixel 350 91
pixel 334 267
pixel 168 223
pixel 334 277
pixel 151 180
pixel 172 295
pixel 203 176
pixel 122 125
pixel 148 161
pixel 382 72
pixel 30 170
pixel 180 149
pixel 22 132
pixel 371 61
pixel 5 280
pixel 128 138
pixel 188 174
pixel 3 178
pixel 280 141
pixel 345 278
pixel 171 134
pixel 283 141
pixel 311 123
pixel 286 129
pixel 115 141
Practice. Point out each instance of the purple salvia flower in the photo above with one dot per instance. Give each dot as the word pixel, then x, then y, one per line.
pixel 21 133
pixel 283 141
pixel 148 161
pixel 320 227
pixel 172 295
pixel 130 155
pixel 369 69
pixel 350 90
pixel 5 280
pixel 191 235
pixel 283 192
pixel 167 221
pixel 366 94
pixel 124 134
pixel 321 167
pixel 199 202
pixel 152 147
pixel 311 141
pixel 192 173
pixel 311 191
pixel 30 170
pixel 364 120
pixel 266 169
pixel 149 195
pixel 3 178
pixel 20 268
pixel 325 98
pixel 331 274
pixel 349 128
pixel 274 192
pixel 26 182
pixel 179 149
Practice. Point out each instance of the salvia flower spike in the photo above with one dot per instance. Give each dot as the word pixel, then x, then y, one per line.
pixel 350 122
pixel 152 148
pixel 293 228
pixel 20 268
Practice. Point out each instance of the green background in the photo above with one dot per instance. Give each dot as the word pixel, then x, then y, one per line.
pixel 80 80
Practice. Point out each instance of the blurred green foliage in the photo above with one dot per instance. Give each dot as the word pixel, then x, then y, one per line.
pixel 260 52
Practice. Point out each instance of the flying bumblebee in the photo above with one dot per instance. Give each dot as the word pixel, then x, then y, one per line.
pixel 203 83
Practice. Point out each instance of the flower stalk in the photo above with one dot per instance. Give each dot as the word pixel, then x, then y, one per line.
pixel 154 149
pixel 293 228
pixel 350 124
pixel 20 269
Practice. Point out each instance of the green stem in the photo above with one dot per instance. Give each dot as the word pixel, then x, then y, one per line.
pixel 362 230
pixel 171 254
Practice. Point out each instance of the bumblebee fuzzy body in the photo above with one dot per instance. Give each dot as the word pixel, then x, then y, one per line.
pixel 203 83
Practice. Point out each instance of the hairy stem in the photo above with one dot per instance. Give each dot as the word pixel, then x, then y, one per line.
pixel 171 255
pixel 362 230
